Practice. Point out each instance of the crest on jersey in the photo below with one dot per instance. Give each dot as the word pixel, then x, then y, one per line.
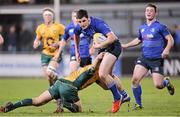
pixel 81 35
pixel 43 33
pixel 55 31
pixel 71 30
pixel 149 36
pixel 152 30
pixel 142 30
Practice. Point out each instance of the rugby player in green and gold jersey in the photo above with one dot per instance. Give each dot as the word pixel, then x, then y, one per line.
pixel 49 33
pixel 67 90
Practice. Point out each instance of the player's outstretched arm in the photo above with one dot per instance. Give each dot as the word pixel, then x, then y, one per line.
pixel 132 43
pixel 76 39
pixel 97 60
pixel 62 44
pixel 169 45
pixel 37 42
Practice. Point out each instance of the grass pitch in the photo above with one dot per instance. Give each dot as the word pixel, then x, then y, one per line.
pixel 96 101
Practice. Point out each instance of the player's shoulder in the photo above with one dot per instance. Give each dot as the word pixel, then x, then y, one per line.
pixel 41 25
pixel 86 68
pixel 70 26
pixel 142 26
pixel 59 24
pixel 159 24
pixel 96 20
pixel 98 23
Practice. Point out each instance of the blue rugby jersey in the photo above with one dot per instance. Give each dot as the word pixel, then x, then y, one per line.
pixel 84 43
pixel 153 39
pixel 97 25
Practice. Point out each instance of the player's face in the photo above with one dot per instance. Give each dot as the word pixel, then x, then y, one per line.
pixel 83 22
pixel 150 13
pixel 48 17
pixel 74 18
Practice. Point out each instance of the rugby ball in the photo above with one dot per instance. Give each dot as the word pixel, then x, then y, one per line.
pixel 98 38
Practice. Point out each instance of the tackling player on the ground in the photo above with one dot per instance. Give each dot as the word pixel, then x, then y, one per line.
pixel 66 89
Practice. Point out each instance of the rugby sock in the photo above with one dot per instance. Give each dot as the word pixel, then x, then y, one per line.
pixel 137 92
pixel 25 102
pixel 123 93
pixel 112 86
pixel 165 82
pixel 70 106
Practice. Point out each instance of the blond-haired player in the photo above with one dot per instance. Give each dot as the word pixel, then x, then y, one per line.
pixel 49 33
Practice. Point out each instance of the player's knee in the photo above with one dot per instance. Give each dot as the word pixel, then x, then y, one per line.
pixel 135 81
pixel 36 102
pixel 102 76
pixel 51 72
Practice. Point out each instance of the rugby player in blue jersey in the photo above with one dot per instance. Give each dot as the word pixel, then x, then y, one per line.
pixel 156 44
pixel 84 46
pixel 87 27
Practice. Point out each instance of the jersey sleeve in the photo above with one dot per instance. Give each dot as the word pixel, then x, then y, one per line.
pixel 139 35
pixel 77 30
pixel 66 34
pixel 61 29
pixel 38 34
pixel 164 30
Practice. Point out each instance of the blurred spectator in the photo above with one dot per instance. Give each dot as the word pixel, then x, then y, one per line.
pixel 1 37
pixel 177 37
pixel 44 1
pixel 12 39
pixel 26 39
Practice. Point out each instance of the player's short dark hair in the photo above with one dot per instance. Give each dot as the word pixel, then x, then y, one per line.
pixel 82 13
pixel 48 9
pixel 152 5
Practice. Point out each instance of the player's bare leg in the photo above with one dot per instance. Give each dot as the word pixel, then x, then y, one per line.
pixel 104 71
pixel 138 74
pixel 42 99
pixel 126 97
pixel 51 71
pixel 160 82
